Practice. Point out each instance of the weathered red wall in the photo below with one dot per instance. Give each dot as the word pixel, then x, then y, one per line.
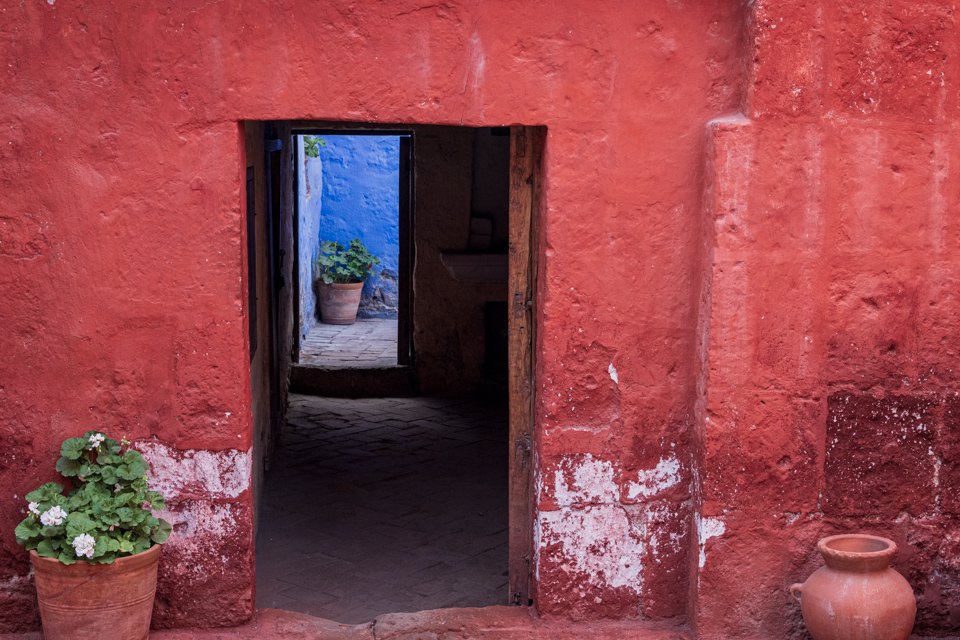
pixel 711 295
pixel 828 395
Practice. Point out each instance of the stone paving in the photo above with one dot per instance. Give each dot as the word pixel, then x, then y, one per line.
pixel 385 505
pixel 365 343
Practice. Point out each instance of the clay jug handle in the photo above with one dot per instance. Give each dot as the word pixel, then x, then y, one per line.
pixel 796 591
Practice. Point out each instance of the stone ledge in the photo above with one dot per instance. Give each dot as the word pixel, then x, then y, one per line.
pixel 347 382
pixel 487 623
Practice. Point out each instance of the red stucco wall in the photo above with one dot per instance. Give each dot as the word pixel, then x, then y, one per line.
pixel 731 312
pixel 829 387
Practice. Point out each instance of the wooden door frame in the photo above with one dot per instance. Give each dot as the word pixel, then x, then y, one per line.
pixel 526 151
pixel 273 165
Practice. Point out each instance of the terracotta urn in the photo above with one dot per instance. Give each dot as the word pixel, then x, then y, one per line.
pixel 339 302
pixel 857 596
pixel 97 601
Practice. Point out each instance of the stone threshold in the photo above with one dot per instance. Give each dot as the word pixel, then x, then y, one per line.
pixel 339 382
pixel 487 623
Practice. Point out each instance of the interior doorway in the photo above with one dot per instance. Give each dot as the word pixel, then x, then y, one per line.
pixel 379 501
pixel 354 186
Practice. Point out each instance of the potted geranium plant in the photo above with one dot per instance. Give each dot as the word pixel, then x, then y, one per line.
pixel 340 276
pixel 95 550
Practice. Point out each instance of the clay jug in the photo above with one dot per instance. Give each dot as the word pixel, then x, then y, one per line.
pixel 97 601
pixel 339 302
pixel 857 596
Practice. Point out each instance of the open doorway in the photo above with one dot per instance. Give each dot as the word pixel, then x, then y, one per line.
pixel 353 187
pixel 379 500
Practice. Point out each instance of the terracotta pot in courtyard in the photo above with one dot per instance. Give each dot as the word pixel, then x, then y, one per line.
pixel 857 596
pixel 97 601
pixel 339 302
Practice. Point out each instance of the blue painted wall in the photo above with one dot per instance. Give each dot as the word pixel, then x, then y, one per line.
pixel 361 194
pixel 310 174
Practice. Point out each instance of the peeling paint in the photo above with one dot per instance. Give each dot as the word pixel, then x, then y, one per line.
pixel 595 536
pixel 197 472
pixel 612 370
pixel 590 481
pixel 597 541
pixel 708 528
pixel 651 482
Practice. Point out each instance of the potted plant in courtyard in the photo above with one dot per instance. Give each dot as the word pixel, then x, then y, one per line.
pixel 95 550
pixel 340 276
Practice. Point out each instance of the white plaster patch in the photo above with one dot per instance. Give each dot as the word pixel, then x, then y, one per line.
pixel 592 481
pixel 197 472
pixel 651 482
pixel 597 541
pixel 708 528
pixel 612 370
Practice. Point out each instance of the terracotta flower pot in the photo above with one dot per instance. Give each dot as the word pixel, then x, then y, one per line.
pixel 857 596
pixel 339 302
pixel 97 601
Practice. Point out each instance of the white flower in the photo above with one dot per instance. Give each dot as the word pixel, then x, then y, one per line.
pixel 33 508
pixel 117 487
pixel 83 545
pixel 96 439
pixel 53 516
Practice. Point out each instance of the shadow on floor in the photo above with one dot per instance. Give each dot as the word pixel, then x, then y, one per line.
pixel 385 505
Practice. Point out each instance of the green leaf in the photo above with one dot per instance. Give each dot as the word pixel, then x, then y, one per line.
pixel 45 493
pixel 45 550
pixel 67 556
pixel 89 472
pixel 29 528
pixel 73 448
pixel 131 471
pixel 141 544
pixel 138 468
pixel 162 533
pixel 157 503
pixel 51 532
pixel 79 522
pixel 68 467
pixel 78 500
pixel 124 497
pixel 108 474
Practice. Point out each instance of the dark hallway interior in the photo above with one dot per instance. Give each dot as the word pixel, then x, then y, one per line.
pixel 385 505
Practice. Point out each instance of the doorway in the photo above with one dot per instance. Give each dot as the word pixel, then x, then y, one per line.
pixel 355 185
pixel 427 496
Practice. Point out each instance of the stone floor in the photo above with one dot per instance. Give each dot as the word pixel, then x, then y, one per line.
pixel 365 343
pixel 385 505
